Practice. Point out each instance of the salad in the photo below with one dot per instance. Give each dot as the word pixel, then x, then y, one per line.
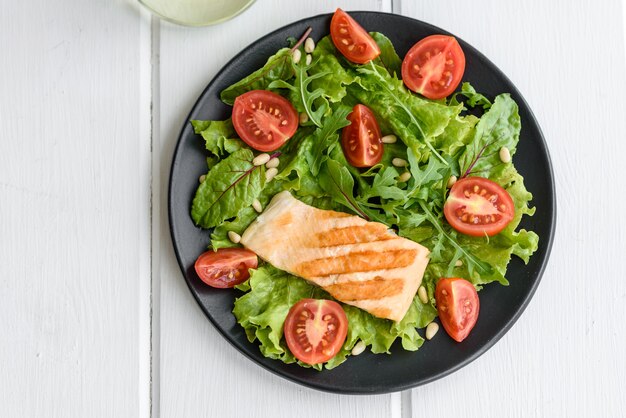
pixel 345 128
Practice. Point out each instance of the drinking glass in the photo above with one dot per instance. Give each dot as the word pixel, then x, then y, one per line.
pixel 197 12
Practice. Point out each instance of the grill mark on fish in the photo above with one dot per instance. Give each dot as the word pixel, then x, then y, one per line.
pixel 376 288
pixel 354 234
pixel 356 262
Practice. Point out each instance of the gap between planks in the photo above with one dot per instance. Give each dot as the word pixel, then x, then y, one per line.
pixel 155 217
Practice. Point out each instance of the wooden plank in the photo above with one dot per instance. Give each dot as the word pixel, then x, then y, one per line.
pixel 200 373
pixel 567 58
pixel 75 200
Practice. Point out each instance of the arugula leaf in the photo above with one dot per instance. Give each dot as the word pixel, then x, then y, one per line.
pixel 278 67
pixel 473 98
pixel 337 181
pixel 385 185
pixel 302 98
pixel 497 128
pixel 231 185
pixel 219 136
pixel 422 179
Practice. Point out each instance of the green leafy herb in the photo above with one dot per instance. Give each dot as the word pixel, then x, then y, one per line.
pixel 497 128
pixel 388 57
pixel 229 187
pixel 337 181
pixel 219 136
pixel 262 312
pixel 302 97
pixel 278 67
pixel 414 120
pixel 473 98
pixel 438 139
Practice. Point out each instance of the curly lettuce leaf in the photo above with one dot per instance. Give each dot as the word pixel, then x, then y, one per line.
pixel 262 312
pixel 334 78
pixel 219 136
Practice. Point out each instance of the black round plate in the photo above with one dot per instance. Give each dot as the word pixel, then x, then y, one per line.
pixel 368 373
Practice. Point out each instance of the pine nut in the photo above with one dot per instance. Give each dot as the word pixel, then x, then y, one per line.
pixel 261 159
pixel 458 263
pixel 389 139
pixel 308 59
pixel 404 177
pixel 505 155
pixel 451 181
pixel 431 330
pixel 358 348
pixel 273 163
pixel 296 55
pixel 270 173
pixel 309 45
pixel 304 118
pixel 234 237
pixel 257 205
pixel 202 178
pixel 422 294
pixel 399 162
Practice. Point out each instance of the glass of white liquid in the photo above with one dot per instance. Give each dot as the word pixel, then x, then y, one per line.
pixel 197 12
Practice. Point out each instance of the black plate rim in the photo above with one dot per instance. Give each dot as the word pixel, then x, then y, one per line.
pixel 549 239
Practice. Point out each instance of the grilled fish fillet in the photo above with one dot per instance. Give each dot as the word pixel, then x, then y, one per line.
pixel 358 262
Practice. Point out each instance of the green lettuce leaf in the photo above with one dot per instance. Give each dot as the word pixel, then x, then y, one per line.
pixel 219 136
pixel 337 181
pixel 334 77
pixel 278 67
pixel 262 312
pixel 388 57
pixel 497 128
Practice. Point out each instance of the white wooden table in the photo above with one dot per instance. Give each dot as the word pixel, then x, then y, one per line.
pixel 95 317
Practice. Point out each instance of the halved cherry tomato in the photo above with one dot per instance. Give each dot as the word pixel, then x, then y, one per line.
pixel 360 141
pixel 351 39
pixel 434 66
pixel 458 306
pixel 226 267
pixel 477 206
pixel 315 330
pixel 264 120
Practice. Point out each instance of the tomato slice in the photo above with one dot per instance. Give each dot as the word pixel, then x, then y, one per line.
pixel 458 306
pixel 351 39
pixel 264 120
pixel 434 66
pixel 477 206
pixel 361 140
pixel 315 330
pixel 226 267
